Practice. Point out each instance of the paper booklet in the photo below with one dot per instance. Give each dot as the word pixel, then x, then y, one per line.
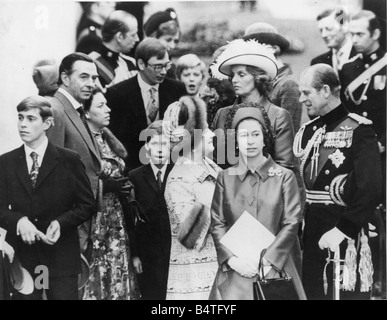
pixel 3 232
pixel 247 238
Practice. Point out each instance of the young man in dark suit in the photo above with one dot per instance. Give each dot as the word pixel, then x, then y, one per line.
pixel 152 241
pixel 138 101
pixel 45 195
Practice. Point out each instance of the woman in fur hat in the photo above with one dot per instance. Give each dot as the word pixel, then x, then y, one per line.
pixel 252 67
pixel 188 195
pixel 112 276
pixel 265 191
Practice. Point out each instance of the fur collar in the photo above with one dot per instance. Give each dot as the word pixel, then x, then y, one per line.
pixel 115 145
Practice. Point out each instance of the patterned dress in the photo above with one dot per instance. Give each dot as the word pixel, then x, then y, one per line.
pixel 191 271
pixel 112 276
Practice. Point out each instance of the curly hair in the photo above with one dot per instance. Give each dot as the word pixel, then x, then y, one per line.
pixel 262 81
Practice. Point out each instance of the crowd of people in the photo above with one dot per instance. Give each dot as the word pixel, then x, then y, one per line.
pixel 134 168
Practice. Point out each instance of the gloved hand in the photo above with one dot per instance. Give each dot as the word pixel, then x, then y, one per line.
pixel 120 185
pixel 242 267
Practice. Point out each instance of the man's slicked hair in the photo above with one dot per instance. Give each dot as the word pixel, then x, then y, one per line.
pixel 67 63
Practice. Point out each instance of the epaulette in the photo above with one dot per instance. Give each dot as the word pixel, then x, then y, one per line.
pixel 360 119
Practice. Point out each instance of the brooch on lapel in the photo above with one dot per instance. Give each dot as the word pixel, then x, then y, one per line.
pixel 275 172
pixel 337 158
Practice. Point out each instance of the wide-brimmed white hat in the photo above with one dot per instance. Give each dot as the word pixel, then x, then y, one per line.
pixel 250 53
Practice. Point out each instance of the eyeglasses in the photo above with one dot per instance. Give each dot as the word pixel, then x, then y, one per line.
pixel 159 67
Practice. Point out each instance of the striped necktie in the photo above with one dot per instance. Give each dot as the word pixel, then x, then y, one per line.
pixel 152 106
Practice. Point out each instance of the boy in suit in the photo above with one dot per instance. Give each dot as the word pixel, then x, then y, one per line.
pixel 152 241
pixel 45 195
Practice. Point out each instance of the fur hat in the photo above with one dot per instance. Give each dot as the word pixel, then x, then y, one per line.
pixel 186 115
pixel 251 53
pixel 266 34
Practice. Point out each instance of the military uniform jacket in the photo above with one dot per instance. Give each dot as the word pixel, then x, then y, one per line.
pixel 111 65
pixel 348 146
pixel 369 99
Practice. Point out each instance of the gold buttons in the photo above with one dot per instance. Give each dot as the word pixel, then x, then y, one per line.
pixel 327 172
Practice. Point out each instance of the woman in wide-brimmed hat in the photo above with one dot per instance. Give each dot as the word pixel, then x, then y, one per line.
pixel 251 67
pixel 269 193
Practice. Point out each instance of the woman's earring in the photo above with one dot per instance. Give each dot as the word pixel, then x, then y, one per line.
pixel 87 116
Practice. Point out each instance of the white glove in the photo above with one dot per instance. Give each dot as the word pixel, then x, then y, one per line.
pixel 242 267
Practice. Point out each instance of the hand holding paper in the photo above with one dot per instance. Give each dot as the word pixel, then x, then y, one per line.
pixel 247 238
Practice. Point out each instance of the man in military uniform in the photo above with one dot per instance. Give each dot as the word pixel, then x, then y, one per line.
pixel 88 34
pixel 363 79
pixel 342 174
pixel 119 35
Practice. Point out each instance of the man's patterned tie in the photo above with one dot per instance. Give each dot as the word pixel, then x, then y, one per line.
pixel 35 169
pixel 152 106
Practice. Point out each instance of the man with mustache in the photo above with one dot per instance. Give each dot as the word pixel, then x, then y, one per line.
pixel 77 77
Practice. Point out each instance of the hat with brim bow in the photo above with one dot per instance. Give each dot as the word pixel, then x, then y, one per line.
pixel 250 53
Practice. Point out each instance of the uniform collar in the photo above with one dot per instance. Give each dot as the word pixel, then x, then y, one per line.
pixel 334 115
pixel 374 56
pixel 108 54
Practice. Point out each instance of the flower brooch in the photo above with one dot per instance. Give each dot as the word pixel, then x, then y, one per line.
pixel 275 172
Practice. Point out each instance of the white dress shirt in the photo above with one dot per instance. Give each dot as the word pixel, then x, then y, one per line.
pixel 341 56
pixel 146 95
pixel 156 170
pixel 73 102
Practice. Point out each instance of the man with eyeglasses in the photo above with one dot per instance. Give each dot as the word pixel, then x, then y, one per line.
pixel 138 101
pixel 119 35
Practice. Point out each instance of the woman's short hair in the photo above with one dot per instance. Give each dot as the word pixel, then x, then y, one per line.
pixel 189 61
pixel 262 81
pixel 148 48
pixel 36 103
pixel 88 102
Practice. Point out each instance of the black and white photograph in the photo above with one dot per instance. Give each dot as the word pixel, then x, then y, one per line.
pixel 182 152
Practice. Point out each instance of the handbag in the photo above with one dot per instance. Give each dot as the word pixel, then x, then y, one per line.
pixel 281 288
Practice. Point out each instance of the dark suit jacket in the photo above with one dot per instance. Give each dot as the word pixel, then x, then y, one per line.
pixel 128 117
pixel 70 132
pixel 327 57
pixel 152 242
pixel 62 193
